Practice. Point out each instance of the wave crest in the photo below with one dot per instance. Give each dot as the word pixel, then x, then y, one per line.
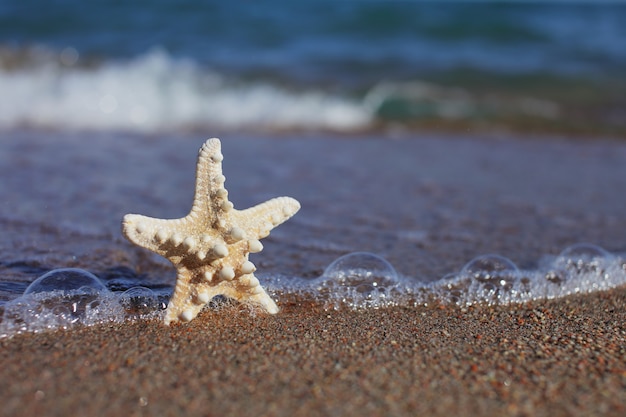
pixel 154 92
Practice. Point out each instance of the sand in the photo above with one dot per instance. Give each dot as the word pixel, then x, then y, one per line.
pixel 428 204
pixel 552 358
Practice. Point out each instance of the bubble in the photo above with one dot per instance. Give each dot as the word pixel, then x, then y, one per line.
pixel 361 268
pixel 486 267
pixel 582 257
pixel 579 267
pixel 58 299
pixel 67 280
pixel 583 251
pixel 452 288
pixel 492 272
pixel 139 300
pixel 358 279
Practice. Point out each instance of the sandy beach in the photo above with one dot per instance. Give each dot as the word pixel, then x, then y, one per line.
pixel 553 358
pixel 444 200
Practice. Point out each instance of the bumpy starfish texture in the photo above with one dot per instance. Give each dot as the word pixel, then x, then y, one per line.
pixel 210 246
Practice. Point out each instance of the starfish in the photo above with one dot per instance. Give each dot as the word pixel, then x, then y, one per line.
pixel 210 246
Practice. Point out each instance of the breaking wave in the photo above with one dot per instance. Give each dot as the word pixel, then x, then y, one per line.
pixel 156 92
pixel 153 92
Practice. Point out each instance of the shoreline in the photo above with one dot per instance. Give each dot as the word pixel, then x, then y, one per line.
pixel 558 357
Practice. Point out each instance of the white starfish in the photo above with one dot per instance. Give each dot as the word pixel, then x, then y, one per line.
pixel 210 246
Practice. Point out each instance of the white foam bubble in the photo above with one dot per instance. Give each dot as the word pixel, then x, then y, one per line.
pixel 357 280
pixel 578 269
pixel 154 92
pixel 362 280
pixel 64 298
pixel 37 312
pixel 65 280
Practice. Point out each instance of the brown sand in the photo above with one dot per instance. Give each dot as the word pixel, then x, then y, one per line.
pixel 552 358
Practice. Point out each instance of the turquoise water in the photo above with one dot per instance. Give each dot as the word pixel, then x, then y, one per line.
pixel 342 66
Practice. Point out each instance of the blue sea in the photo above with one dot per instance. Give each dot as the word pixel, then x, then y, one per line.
pixel 344 66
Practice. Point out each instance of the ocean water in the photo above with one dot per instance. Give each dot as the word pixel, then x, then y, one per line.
pixel 337 66
pixel 103 106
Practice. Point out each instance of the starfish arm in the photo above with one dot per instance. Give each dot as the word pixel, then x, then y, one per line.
pixel 262 299
pixel 209 181
pixel 259 220
pixel 153 234
pixel 181 306
pixel 190 296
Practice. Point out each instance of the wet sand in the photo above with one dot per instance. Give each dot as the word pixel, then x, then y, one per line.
pixel 428 204
pixel 556 358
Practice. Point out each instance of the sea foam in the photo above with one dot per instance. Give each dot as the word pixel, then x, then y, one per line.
pixel 364 280
pixel 64 298
pixel 155 91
